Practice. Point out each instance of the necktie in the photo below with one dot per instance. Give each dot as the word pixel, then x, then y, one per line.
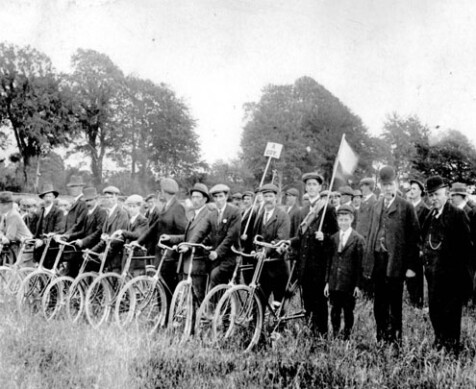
pixel 341 242
pixel 267 215
pixel 386 203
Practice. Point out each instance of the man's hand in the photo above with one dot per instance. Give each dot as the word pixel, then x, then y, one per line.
pixel 356 292
pixel 164 237
pixel 319 236
pixel 213 255
pixel 410 273
pixel 244 237
pixel 183 248
pixel 78 242
pixel 326 290
pixel 38 243
pixel 282 248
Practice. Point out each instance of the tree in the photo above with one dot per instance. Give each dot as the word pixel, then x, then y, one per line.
pixel 309 121
pixel 402 137
pixel 94 88
pixel 31 103
pixel 452 157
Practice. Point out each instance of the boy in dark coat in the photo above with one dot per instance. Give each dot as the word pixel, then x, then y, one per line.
pixel 344 271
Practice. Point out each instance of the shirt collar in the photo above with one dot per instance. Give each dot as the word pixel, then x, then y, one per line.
pixel 197 211
pixel 48 209
pixel 345 235
pixel 92 210
pixel 111 211
pixel 133 218
pixel 78 197
pixel 417 203
pixel 368 196
pixel 462 204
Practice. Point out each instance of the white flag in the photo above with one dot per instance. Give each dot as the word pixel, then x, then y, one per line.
pixel 347 158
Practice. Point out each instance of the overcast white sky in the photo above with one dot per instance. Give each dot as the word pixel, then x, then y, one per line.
pixel 376 56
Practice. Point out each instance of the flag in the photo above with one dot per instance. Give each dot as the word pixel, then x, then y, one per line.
pixel 347 158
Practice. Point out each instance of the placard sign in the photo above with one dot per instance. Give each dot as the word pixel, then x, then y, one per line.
pixel 273 150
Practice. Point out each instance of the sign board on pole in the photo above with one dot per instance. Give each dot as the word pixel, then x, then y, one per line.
pixel 273 150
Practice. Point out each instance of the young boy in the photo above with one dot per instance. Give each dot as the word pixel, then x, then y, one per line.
pixel 344 271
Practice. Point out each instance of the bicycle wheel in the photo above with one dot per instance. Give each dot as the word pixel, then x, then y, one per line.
pixel 181 313
pixel 238 318
pixel 55 296
pixel 6 275
pixel 31 291
pixel 99 298
pixel 75 300
pixel 204 319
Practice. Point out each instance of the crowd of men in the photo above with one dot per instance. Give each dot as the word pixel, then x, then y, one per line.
pixel 344 242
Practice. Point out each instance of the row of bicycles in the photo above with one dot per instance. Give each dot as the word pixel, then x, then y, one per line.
pixel 233 314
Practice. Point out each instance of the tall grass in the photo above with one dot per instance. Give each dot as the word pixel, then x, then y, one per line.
pixel 37 354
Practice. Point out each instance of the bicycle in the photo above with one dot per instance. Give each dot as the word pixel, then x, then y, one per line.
pixel 11 276
pixel 184 301
pixel 204 316
pixel 32 288
pixel 103 292
pixel 143 299
pixel 240 313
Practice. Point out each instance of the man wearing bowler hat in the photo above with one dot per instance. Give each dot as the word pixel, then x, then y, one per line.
pixel 77 212
pixel 415 284
pixel 311 243
pixel 391 255
pixel 199 197
pixel 447 255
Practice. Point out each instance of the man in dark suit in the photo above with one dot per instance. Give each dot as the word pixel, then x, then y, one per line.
pixel 50 220
pixel 117 219
pixel 249 213
pixel 220 230
pixel 391 255
pixel 293 210
pixel 172 220
pixel 199 197
pixel 152 213
pixel 447 254
pixel 273 225
pixel 344 271
pixel 415 284
pixel 367 186
pixel 78 210
pixel 311 242
pixel 459 197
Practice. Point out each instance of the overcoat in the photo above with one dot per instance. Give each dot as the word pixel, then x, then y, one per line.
pixel 76 217
pixel 92 228
pixel 53 222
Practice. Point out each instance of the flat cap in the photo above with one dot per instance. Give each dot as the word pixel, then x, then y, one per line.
pixel 6 197
pixel 324 193
pixel 459 188
pixel 134 199
pixel 248 193
pixel 219 188
pixel 346 190
pixel 111 189
pixel 237 195
pixel 357 193
pixel 335 194
pixel 369 181
pixel 169 185
pixel 202 188
pixel 313 175
pixel 269 188
pixel 345 210
pixel 387 175
pixel 292 192
pixel 434 183
pixel 150 197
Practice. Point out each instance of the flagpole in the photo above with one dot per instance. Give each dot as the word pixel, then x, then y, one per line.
pixel 334 171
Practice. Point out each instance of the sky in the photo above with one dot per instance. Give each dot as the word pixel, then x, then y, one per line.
pixel 376 56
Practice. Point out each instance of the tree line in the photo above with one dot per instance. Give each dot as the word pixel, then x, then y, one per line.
pixel 148 131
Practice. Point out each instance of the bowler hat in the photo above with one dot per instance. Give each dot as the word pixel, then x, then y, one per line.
pixel 90 193
pixel 387 175
pixel 248 193
pixel 345 210
pixel 434 183
pixel 292 192
pixel 6 197
pixel 269 188
pixel 313 175
pixel 419 183
pixel 346 190
pixel 219 188
pixel 459 188
pixel 75 181
pixel 169 185
pixel 111 189
pixel 202 188
pixel 48 188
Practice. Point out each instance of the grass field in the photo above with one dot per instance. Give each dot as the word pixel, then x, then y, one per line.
pixel 37 354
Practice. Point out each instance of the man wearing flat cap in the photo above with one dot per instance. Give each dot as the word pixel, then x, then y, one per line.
pixel 447 256
pixel 415 284
pixel 199 197
pixel 220 230
pixel 346 193
pixel 391 255
pixel 311 242
pixel 273 225
pixel 117 219
pixel 12 227
pixel 246 235
pixel 172 220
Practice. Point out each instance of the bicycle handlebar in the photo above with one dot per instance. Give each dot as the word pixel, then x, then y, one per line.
pixel 273 245
pixel 189 244
pixel 64 243
pixel 242 253
pixel 135 245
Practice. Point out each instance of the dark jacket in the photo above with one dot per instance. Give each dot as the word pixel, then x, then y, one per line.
pixel 344 270
pixel 135 229
pixel 402 238
pixel 117 221
pixel 171 221
pixel 363 215
pixel 92 228
pixel 422 211
pixel 452 271
pixel 53 222
pixel 152 216
pixel 295 219
pixel 247 244
pixel 277 228
pixel 76 217
pixel 220 236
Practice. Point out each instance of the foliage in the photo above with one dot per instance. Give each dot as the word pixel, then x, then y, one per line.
pixel 31 102
pixel 309 121
pixel 233 173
